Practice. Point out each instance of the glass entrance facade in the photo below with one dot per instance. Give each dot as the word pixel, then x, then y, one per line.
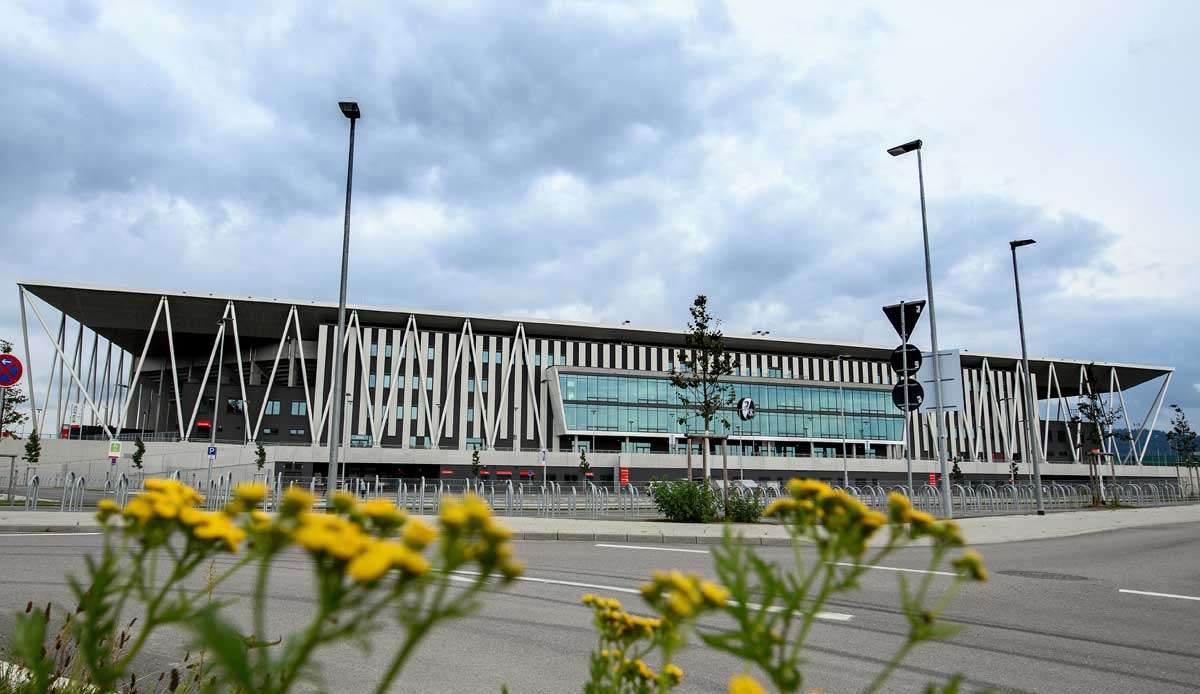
pixel 643 404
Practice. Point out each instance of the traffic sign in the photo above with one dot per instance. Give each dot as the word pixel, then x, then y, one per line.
pixel 905 323
pixel 114 450
pixel 212 452
pixel 906 359
pixel 11 370
pixel 916 395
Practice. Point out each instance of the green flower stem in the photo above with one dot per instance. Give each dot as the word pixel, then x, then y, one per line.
pixel 885 674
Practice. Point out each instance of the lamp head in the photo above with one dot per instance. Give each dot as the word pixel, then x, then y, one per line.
pixel 904 148
pixel 1023 242
pixel 350 109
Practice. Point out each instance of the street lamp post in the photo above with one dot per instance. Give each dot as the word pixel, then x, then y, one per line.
pixel 1032 447
pixel 940 424
pixel 349 110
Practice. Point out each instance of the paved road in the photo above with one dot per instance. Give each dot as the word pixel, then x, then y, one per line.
pixel 1052 618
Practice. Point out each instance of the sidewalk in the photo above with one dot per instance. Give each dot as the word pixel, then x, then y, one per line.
pixel 978 531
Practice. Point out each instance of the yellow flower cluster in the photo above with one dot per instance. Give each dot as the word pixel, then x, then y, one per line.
pixel 678 596
pixel 811 503
pixel 921 524
pixel 469 524
pixel 170 505
pixel 346 541
pixel 745 684
pixel 615 624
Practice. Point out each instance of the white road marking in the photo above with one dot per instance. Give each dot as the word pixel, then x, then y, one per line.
pixel 1158 595
pixel 465 577
pixel 896 568
pixel 659 549
pixel 4 535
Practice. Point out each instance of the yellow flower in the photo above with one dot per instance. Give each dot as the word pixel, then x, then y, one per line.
pixel 679 604
pixel 139 509
pixel 155 484
pixel 673 672
pixel 512 569
pixel 715 595
pixel 808 489
pixel 260 520
pixel 314 538
pixel 344 502
pixel 971 564
pixel 899 508
pixel 190 516
pixel 921 522
pixel 745 684
pixel 417 533
pixel 779 507
pixel 453 515
pixel 296 500
pixel 371 564
pixel 382 509
pixel 872 521
pixel 251 493
pixel 106 508
pixel 644 670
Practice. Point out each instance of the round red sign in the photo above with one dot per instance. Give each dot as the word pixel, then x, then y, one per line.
pixel 11 370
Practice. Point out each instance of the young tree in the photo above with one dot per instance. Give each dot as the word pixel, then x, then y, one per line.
pixel 12 398
pixel 139 452
pixel 1094 420
pixel 475 463
pixel 260 456
pixel 697 374
pixel 1182 440
pixel 956 473
pixel 33 448
pixel 584 466
pixel 1012 471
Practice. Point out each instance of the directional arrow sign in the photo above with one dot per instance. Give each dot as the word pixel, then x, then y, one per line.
pixel 916 394
pixel 906 359
pixel 11 370
pixel 912 313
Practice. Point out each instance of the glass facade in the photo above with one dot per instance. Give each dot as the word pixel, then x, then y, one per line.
pixel 652 405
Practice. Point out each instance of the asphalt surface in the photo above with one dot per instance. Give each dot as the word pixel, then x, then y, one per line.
pixel 1051 619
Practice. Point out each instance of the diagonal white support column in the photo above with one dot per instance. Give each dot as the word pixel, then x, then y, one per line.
pixel 262 410
pixel 74 376
pixel 304 373
pixel 1158 401
pixel 28 356
pixel 204 382
pixel 174 370
pixel 237 349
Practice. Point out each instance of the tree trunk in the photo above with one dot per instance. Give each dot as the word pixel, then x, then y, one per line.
pixel 704 458
pixel 688 443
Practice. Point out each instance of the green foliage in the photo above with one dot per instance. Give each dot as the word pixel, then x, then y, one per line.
pixel 956 472
pixel 33 448
pixel 700 365
pixel 139 452
pixel 260 456
pixel 1181 437
pixel 584 466
pixel 369 565
pixel 475 463
pixel 683 501
pixel 743 508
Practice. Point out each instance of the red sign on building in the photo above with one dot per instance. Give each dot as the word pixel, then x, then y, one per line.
pixel 624 476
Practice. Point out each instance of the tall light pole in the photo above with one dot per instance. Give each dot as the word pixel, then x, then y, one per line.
pixel 1032 446
pixel 842 418
pixel 940 426
pixel 349 110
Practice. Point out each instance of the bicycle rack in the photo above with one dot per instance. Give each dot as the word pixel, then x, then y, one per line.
pixel 31 493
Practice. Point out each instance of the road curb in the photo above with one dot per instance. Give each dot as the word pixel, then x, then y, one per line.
pixel 648 538
pixel 48 529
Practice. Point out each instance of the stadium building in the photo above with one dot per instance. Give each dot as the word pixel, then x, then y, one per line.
pixel 426 388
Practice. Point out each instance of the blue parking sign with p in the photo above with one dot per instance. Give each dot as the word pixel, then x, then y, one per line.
pixel 212 451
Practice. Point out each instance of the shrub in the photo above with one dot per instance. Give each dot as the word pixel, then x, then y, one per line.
pixel 743 508
pixel 682 501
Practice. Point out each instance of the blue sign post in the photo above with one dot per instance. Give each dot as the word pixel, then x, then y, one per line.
pixel 212 452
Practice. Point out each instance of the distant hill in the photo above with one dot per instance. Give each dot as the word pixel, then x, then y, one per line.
pixel 1158 448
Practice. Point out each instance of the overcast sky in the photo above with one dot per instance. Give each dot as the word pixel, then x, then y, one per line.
pixel 601 161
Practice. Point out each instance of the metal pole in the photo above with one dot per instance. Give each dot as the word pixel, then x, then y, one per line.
pixel 1032 448
pixel 212 431
pixel 940 427
pixel 907 413
pixel 339 378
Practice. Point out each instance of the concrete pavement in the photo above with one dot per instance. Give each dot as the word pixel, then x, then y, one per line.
pixel 1111 611
pixel 978 530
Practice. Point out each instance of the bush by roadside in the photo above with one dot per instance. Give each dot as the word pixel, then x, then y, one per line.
pixel 682 501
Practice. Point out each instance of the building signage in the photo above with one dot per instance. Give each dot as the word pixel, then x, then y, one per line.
pixel 746 409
